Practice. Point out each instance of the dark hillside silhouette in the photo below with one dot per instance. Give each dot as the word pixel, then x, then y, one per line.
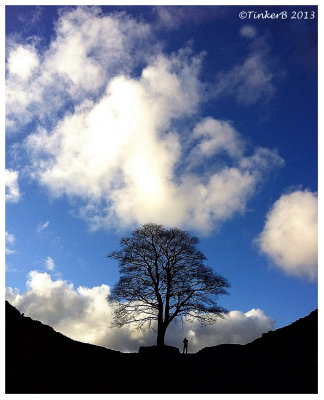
pixel 40 360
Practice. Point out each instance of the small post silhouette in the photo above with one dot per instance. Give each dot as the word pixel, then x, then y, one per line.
pixel 185 345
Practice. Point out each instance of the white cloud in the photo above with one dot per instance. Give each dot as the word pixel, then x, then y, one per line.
pixel 236 328
pixel 119 149
pixel 121 152
pixel 10 238
pixel 217 136
pixel 42 226
pixel 49 263
pixel 253 79
pixel 290 234
pixel 84 314
pixel 170 17
pixel 30 16
pixel 88 48
pixel 22 62
pixel 12 186
pixel 10 241
pixel 248 31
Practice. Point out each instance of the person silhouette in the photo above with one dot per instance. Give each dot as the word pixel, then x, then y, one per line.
pixel 185 345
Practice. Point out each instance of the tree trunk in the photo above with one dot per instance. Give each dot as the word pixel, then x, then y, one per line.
pixel 160 334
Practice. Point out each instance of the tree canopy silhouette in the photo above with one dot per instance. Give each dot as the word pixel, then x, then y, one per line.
pixel 163 276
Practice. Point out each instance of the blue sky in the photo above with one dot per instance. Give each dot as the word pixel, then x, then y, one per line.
pixel 184 116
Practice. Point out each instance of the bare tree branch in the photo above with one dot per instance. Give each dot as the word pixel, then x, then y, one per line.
pixel 163 276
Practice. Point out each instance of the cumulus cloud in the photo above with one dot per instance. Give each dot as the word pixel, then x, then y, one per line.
pixel 22 62
pixel 290 234
pixel 83 314
pixel 217 136
pixel 117 135
pixel 116 153
pixel 88 48
pixel 12 186
pixel 236 328
pixel 10 241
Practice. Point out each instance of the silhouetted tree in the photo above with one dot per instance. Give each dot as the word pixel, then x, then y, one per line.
pixel 163 276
